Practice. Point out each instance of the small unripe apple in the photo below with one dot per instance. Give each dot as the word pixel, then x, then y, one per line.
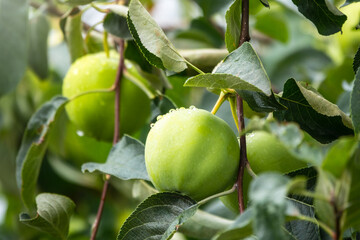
pixel 265 152
pixel 193 152
pixel 94 113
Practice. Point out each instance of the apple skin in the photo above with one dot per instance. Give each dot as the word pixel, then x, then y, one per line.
pixel 94 113
pixel 191 151
pixel 66 143
pixel 265 152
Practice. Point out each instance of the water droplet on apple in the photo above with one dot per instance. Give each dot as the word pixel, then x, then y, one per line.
pixel 80 133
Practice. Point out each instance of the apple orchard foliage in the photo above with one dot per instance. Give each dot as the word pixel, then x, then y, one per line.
pixel 298 78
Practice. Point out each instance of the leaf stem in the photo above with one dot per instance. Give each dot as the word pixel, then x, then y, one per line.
pixel 193 66
pixel 99 9
pixel 250 171
pixel 117 88
pixel 109 90
pixel 227 192
pixel 219 102
pixel 244 37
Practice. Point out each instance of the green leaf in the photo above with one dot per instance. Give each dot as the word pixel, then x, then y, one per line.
pixel 265 3
pixel 354 102
pixel 125 161
pixel 322 119
pixel 73 34
pixel 349 2
pixel 300 229
pixel 245 64
pixel 205 59
pixel 33 147
pixel 303 64
pixel 220 80
pixel 75 3
pixel 53 215
pixel 339 155
pixel 325 187
pixel 160 106
pixel 203 31
pixel 117 25
pixel 266 21
pixel 13 43
pixel 326 17
pixel 352 213
pixel 211 7
pixel 240 229
pixel 158 217
pixel 267 195
pixel 233 26
pixel 152 41
pixel 356 63
pixel 38 56
pixel 133 53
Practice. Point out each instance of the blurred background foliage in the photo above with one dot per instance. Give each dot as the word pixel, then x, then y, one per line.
pixel 287 43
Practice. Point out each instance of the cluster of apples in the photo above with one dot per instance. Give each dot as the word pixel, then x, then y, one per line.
pixel 190 150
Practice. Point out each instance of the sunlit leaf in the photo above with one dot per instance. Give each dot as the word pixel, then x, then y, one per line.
pixel 53 215
pixel 158 217
pixel 326 17
pixel 13 43
pixel 243 71
pixel 33 147
pixel 152 41
pixel 322 119
pixel 125 161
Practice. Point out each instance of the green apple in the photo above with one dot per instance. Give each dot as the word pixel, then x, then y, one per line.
pixel 193 152
pixel 94 113
pixel 265 152
pixel 66 143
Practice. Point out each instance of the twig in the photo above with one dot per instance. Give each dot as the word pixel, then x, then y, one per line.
pixel 243 156
pixel 338 214
pixel 117 86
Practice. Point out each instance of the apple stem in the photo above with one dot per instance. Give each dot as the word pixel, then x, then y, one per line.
pixel 117 86
pixel 244 37
pixel 219 102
